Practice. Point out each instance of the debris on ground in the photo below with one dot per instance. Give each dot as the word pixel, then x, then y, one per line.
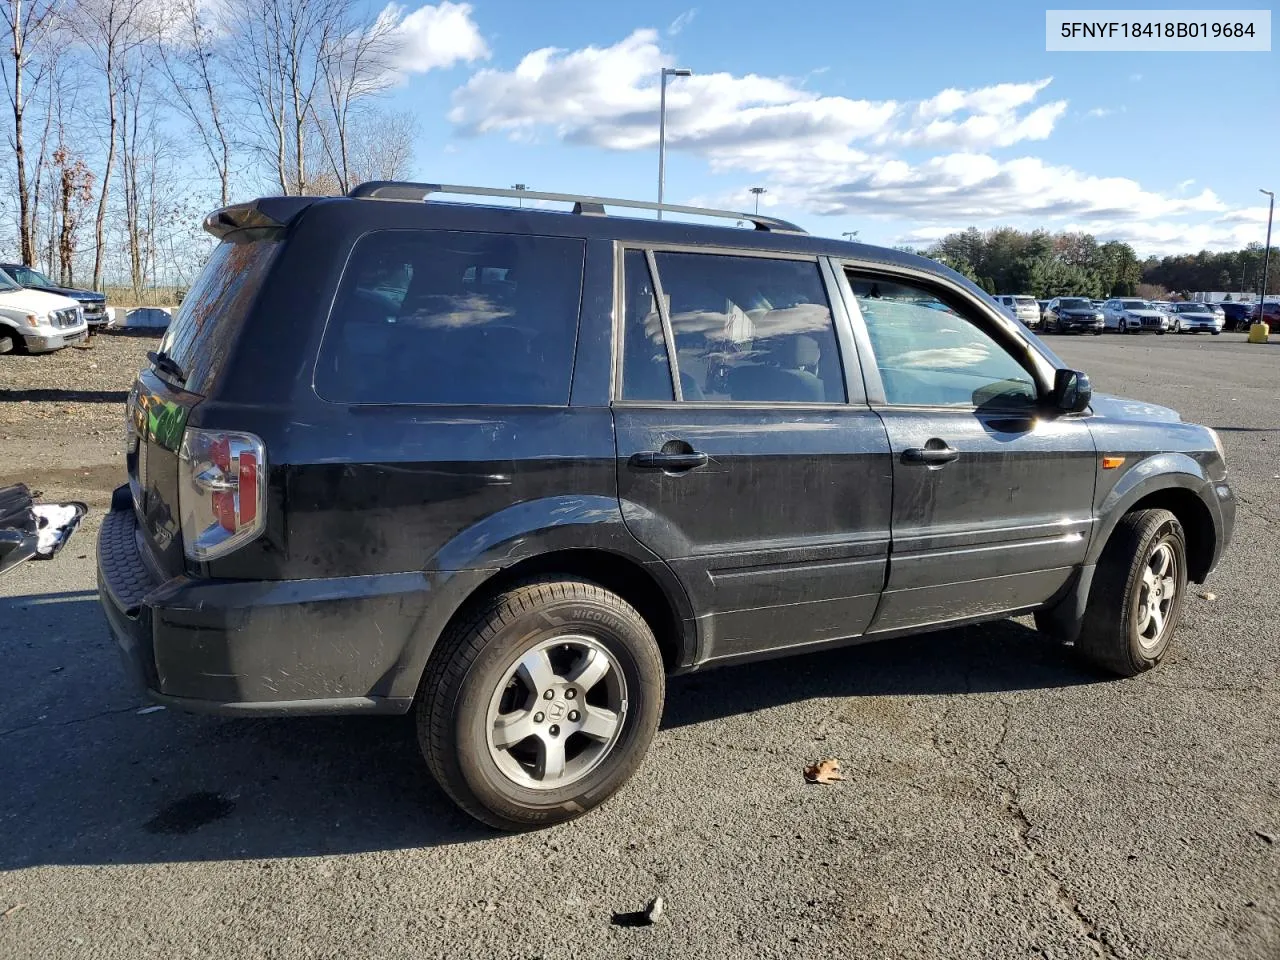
pixel 1208 596
pixel 1268 837
pixel 12 910
pixel 824 771
pixel 647 917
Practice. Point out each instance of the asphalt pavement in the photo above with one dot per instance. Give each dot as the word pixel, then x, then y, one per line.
pixel 999 800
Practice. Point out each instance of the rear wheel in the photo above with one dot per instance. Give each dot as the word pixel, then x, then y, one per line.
pixel 1135 603
pixel 9 341
pixel 541 704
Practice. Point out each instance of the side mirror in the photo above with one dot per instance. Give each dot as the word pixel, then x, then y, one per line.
pixel 1071 391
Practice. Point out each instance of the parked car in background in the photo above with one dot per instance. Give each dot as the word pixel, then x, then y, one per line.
pixel 1196 318
pixel 1130 315
pixel 1236 316
pixel 36 321
pixel 1269 312
pixel 1073 315
pixel 93 303
pixel 1043 305
pixel 538 460
pixel 1020 308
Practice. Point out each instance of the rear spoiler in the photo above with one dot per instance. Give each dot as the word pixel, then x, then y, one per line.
pixel 265 213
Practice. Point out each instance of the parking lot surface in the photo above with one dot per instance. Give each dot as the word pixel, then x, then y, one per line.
pixel 999 801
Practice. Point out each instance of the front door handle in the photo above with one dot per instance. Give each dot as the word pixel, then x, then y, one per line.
pixel 932 455
pixel 656 460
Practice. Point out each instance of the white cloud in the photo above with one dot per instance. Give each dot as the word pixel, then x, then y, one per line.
pixel 1135 77
pixel 1099 112
pixel 682 21
pixel 608 97
pixel 999 99
pixel 435 37
pixel 928 161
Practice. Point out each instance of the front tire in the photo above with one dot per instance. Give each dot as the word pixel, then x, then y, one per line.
pixel 1135 603
pixel 541 704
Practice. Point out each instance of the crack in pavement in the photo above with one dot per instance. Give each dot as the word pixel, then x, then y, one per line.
pixel 66 723
pixel 1058 894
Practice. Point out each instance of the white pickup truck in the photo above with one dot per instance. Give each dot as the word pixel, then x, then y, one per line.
pixel 38 321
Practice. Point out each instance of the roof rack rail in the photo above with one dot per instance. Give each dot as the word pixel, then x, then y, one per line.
pixel 582 205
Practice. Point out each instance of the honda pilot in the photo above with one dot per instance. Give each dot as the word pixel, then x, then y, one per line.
pixel 510 468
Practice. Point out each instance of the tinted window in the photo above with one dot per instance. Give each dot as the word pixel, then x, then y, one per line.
pixel 437 316
pixel 751 329
pixel 646 372
pixel 1070 304
pixel 214 309
pixel 930 355
pixel 1135 305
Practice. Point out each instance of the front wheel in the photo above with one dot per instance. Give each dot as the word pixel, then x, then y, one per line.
pixel 1135 603
pixel 542 704
pixel 1097 333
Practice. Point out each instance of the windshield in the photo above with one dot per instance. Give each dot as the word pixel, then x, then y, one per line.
pixel 1135 305
pixel 1193 308
pixel 1074 304
pixel 7 282
pixel 30 278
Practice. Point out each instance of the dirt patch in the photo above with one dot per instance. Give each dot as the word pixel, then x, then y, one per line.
pixel 62 417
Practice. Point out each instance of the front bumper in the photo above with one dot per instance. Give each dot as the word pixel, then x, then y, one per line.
pixel 43 340
pixel 331 645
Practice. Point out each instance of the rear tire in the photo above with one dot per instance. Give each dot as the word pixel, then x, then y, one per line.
pixel 570 662
pixel 1135 603
pixel 9 342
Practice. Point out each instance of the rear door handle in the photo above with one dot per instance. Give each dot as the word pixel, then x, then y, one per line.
pixel 933 456
pixel 653 460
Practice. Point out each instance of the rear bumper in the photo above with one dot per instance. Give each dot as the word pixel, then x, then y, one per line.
pixel 322 646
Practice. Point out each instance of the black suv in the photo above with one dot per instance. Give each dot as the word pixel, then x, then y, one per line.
pixel 1073 314
pixel 509 468
pixel 94 303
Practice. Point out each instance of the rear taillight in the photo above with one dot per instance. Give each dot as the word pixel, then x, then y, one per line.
pixel 223 491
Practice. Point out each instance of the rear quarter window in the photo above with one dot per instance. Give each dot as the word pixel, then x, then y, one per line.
pixel 453 317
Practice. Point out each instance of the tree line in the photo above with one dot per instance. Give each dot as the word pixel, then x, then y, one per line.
pixel 128 120
pixel 1047 265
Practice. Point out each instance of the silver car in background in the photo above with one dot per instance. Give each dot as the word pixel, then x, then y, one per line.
pixel 1131 315
pixel 1196 318
pixel 1020 307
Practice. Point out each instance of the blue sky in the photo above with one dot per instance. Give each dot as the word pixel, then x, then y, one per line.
pixel 903 121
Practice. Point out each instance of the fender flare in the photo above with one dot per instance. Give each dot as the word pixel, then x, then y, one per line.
pixel 1162 471
pixel 519 533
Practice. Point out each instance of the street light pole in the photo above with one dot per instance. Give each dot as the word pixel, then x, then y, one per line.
pixel 757 191
pixel 850 235
pixel 521 187
pixel 662 128
pixel 1266 257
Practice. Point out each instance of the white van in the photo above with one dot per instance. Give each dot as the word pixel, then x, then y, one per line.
pixel 40 322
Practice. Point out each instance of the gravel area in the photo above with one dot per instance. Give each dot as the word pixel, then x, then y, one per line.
pixel 999 801
pixel 62 416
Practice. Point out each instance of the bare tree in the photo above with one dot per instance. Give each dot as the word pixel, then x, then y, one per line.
pixel 382 146
pixel 27 23
pixel 109 30
pixel 190 58
pixel 279 46
pixel 355 65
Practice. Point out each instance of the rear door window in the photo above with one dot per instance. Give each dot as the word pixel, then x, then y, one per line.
pixel 453 317
pixel 214 309
pixel 746 329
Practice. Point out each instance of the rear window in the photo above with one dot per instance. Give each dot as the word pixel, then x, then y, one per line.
pixel 452 317
pixel 214 309
pixel 1025 301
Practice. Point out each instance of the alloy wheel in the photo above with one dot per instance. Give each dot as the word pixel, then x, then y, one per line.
pixel 1158 594
pixel 557 712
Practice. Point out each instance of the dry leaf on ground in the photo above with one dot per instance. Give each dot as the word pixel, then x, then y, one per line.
pixel 824 771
